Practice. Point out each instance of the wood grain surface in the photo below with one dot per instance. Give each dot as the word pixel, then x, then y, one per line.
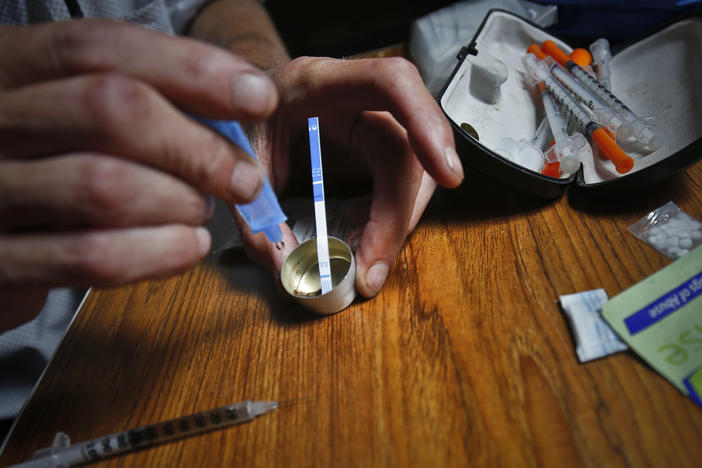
pixel 464 358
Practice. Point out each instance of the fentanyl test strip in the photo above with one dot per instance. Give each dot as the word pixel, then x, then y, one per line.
pixel 320 214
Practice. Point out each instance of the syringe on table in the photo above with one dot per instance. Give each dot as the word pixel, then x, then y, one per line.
pixel 62 454
pixel 608 109
pixel 541 71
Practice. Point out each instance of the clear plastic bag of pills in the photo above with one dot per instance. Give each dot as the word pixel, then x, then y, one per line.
pixel 669 230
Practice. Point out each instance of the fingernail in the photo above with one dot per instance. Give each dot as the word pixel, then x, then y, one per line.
pixel 246 180
pixel 209 206
pixel 204 241
pixel 376 275
pixel 253 92
pixel 453 162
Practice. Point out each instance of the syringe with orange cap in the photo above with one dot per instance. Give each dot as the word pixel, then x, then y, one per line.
pixel 639 128
pixel 568 150
pixel 603 113
pixel 540 71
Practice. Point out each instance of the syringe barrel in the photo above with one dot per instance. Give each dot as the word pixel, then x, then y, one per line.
pixel 601 55
pixel 590 99
pixel 264 213
pixel 599 90
pixel 555 119
pixel 542 134
pixel 539 70
pixel 536 68
pixel 609 116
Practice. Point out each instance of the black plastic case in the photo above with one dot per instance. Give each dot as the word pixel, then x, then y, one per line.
pixel 659 75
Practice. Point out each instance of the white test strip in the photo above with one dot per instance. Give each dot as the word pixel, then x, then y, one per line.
pixel 320 214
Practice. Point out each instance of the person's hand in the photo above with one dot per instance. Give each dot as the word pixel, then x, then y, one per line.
pixel 378 121
pixel 103 178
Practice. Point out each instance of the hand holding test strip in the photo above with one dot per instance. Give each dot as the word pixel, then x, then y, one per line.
pixel 308 273
pixel 375 132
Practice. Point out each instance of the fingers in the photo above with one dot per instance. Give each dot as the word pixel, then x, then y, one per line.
pixel 201 78
pixel 117 115
pixel 95 135
pixel 100 258
pixel 389 84
pixel 94 190
pixel 259 249
pixel 424 194
pixel 395 207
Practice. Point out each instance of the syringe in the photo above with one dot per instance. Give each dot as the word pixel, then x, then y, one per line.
pixel 528 154
pixel 62 453
pixel 637 127
pixel 568 151
pixel 544 134
pixel 264 213
pixel 603 113
pixel 601 56
pixel 539 70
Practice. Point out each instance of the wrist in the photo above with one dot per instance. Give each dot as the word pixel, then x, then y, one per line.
pixel 244 28
pixel 259 51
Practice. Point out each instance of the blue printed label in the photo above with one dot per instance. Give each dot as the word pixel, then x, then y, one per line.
pixel 664 305
pixel 318 192
pixel 315 151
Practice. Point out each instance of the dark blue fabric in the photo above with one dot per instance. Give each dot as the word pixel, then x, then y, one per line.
pixel 616 20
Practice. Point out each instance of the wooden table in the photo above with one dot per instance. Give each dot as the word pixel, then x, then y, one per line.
pixel 464 358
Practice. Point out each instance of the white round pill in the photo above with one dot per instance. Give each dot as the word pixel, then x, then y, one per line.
pixel 660 244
